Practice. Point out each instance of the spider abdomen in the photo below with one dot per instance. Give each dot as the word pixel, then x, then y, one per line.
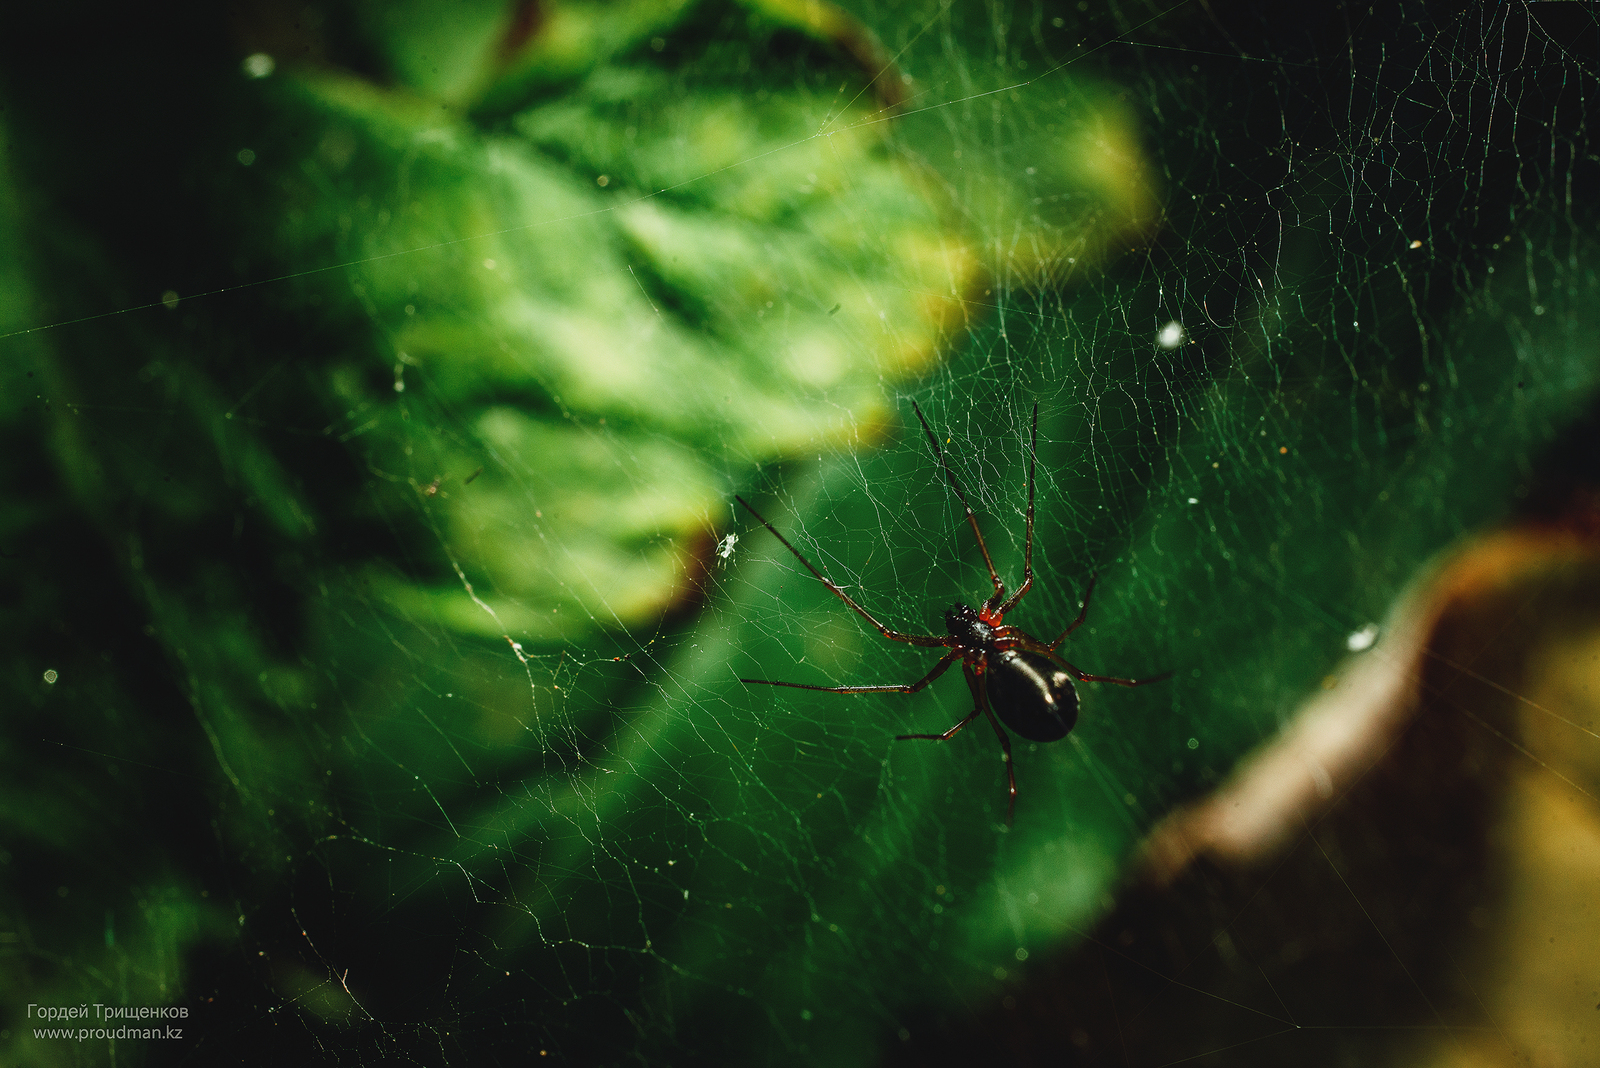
pixel 1032 694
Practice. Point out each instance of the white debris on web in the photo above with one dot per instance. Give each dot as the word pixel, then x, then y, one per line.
pixel 1170 336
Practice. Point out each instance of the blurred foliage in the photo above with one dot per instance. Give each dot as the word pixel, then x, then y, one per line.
pixel 376 378
pixel 597 264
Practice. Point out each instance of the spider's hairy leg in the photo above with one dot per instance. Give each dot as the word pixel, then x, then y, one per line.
pixel 889 687
pixel 926 640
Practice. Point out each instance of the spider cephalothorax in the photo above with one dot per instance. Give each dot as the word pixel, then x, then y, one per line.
pixel 963 622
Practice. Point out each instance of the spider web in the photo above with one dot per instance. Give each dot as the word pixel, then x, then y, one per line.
pixel 1301 303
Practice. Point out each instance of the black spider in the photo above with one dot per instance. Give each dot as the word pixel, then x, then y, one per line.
pixel 1023 680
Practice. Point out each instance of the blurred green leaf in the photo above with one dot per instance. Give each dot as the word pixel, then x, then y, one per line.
pixel 491 271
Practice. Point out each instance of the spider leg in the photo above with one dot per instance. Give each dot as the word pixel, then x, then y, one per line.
pixel 977 706
pixel 945 737
pixel 1082 615
pixel 980 703
pixel 1084 676
pixel 1011 770
pixel 1027 549
pixel 890 687
pixel 927 640
pixel 994 576
pixel 981 697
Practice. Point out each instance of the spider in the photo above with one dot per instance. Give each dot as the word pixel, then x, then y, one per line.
pixel 1011 674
